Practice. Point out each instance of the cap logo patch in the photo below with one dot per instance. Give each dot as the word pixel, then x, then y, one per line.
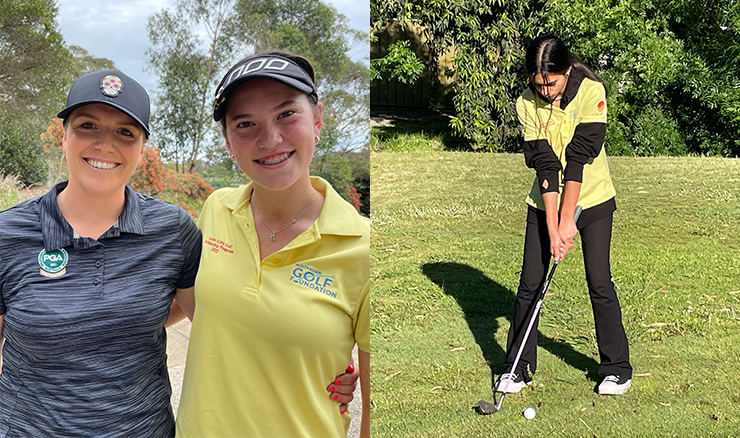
pixel 267 65
pixel 253 66
pixel 53 263
pixel 111 85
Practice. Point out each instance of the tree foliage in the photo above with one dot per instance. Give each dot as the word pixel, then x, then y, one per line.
pixel 33 59
pixel 21 155
pixel 188 70
pixel 399 63
pixel 36 70
pixel 488 39
pixel 672 66
pixel 673 69
pixel 86 63
pixel 34 76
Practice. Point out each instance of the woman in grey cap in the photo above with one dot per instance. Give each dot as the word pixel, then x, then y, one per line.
pixel 88 273
pixel 283 286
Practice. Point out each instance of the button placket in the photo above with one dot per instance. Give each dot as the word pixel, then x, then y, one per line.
pixel 99 277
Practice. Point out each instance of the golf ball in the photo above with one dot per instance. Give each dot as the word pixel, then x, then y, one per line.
pixel 529 413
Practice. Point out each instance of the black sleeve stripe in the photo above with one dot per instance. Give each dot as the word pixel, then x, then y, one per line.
pixel 588 139
pixel 538 155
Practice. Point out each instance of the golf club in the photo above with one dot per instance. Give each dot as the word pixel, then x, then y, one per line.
pixel 486 407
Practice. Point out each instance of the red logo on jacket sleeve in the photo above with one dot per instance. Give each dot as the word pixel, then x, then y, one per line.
pixel 600 107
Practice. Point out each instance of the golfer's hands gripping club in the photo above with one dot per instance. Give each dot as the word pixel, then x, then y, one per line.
pixel 566 232
pixel 557 246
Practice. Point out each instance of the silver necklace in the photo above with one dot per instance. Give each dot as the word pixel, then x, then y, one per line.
pixel 291 222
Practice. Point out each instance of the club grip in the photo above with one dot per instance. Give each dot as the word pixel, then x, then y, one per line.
pixel 577 214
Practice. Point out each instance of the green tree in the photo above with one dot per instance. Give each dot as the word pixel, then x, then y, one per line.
pixel 399 63
pixel 672 67
pixel 189 70
pixel 488 40
pixel 337 170
pixel 34 77
pixel 21 154
pixel 86 63
pixel 33 60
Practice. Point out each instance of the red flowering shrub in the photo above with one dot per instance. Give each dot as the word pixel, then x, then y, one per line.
pixel 355 196
pixel 187 190
pixel 52 139
pixel 150 175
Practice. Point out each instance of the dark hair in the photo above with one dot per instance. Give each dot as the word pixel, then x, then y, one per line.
pixel 301 61
pixel 548 54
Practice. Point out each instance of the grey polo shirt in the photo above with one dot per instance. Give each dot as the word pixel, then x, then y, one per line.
pixel 85 350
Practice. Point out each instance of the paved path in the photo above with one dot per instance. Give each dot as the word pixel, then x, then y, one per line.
pixel 177 349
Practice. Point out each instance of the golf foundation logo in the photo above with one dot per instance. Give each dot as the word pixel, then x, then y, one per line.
pixel 53 263
pixel 313 279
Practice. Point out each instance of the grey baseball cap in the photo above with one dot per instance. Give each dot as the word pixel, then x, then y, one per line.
pixel 268 66
pixel 110 87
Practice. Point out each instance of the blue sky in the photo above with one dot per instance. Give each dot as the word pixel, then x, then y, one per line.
pixel 117 29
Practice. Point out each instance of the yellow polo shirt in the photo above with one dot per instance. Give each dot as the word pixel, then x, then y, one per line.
pixel 269 336
pixel 541 120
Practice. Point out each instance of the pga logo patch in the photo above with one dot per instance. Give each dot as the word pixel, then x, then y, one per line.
pixel 53 263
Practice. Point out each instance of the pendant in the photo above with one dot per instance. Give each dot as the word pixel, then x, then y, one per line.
pixel 272 237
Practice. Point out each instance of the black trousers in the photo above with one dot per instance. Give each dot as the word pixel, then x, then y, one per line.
pixel 610 335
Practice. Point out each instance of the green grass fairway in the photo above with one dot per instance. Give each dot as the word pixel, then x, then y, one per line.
pixel 448 230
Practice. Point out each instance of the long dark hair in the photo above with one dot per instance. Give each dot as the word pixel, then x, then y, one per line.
pixel 548 54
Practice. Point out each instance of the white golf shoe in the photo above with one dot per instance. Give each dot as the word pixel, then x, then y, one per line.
pixel 515 381
pixel 614 385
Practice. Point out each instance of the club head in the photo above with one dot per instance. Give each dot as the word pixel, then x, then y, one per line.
pixel 487 408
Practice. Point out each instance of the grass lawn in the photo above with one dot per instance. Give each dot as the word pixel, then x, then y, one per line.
pixel 448 230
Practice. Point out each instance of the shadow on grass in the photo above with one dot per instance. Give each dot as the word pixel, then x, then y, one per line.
pixel 484 301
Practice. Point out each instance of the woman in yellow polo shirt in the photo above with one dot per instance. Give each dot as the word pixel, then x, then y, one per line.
pixel 282 294
pixel 563 116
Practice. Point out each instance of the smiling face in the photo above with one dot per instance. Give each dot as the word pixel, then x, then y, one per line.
pixel 271 130
pixel 103 146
